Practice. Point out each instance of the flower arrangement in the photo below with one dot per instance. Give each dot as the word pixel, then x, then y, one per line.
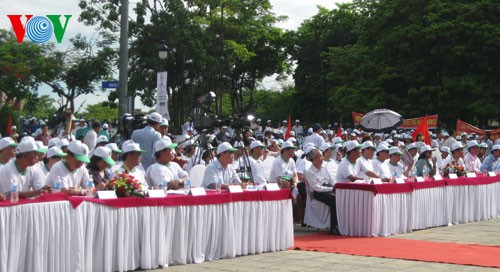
pixel 125 185
pixel 454 168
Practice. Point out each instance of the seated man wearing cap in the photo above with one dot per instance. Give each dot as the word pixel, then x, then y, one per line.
pixel 7 150
pixel 256 151
pixel 90 138
pixel 380 166
pixel 221 170
pixel 28 178
pixel 346 171
pixel 132 156
pixel 302 163
pixel 115 152
pixel 364 165
pixel 394 162
pixel 54 155
pixel 457 154
pixel 329 163
pixel 165 171
pixel 72 172
pixel 445 152
pixel 147 137
pixel 284 163
pixel 472 162
pixel 101 141
pixel 491 162
pixel 315 138
pixel 320 182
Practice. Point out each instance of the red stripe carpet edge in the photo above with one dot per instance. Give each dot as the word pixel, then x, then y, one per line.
pixel 394 248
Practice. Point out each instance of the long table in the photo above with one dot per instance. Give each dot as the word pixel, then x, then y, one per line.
pixel 386 209
pixel 60 233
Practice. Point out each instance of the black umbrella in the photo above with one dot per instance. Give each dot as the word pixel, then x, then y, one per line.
pixel 381 120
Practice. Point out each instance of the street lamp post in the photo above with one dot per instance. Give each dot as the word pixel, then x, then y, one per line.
pixel 161 83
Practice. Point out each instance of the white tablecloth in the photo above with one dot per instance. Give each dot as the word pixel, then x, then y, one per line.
pixel 54 236
pixel 363 213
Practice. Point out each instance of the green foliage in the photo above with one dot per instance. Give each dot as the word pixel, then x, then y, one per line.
pixel 101 111
pixel 4 115
pixel 39 107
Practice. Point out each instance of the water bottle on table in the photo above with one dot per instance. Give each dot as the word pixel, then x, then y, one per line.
pixel 57 184
pixel 187 185
pixel 14 194
pixel 89 191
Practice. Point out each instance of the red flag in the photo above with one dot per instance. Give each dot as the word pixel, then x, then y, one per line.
pixel 9 125
pixel 424 130
pixel 340 130
pixel 289 127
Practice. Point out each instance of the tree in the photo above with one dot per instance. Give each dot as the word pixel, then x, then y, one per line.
pixel 39 106
pixel 100 111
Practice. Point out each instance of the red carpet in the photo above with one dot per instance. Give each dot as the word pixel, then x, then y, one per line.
pixel 441 252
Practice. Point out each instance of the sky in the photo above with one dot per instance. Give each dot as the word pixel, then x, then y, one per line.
pixel 296 10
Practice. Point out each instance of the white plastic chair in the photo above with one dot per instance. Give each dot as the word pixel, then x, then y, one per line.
pixel 317 213
pixel 196 175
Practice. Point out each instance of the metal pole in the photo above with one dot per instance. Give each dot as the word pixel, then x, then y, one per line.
pixel 123 76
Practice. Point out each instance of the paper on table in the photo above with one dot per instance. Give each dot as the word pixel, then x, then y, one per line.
pixel 177 192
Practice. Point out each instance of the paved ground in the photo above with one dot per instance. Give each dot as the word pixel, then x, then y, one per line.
pixel 486 233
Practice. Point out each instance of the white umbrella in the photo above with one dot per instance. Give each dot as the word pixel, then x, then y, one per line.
pixel 380 120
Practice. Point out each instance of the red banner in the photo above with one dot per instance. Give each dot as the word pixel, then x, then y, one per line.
pixel 468 128
pixel 413 123
pixel 356 117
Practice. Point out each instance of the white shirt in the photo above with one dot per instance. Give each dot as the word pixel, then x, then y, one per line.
pixel 146 138
pixel 346 168
pixel 279 167
pixel 158 172
pixel 472 163
pixel 332 167
pixel 396 170
pixel 69 179
pixel 363 165
pixel 138 173
pixel 258 174
pixel 302 165
pixel 381 169
pixel 316 139
pixel 316 178
pixel 31 179
pixel 215 171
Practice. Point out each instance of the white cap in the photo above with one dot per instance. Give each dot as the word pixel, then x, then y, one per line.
pixel 367 144
pixel 113 147
pixel 445 149
pixel 292 139
pixel 425 148
pixel 14 127
pixel 164 144
pixel 472 143
pixel 80 150
pixel 53 142
pixel 495 147
pixel 27 144
pixel 255 144
pixel 130 146
pixel 225 146
pixel 155 117
pixel 104 153
pixel 288 144
pixel 411 146
pixel 310 130
pixel 395 150
pixel 105 126
pixel 456 145
pixel 356 131
pixel 382 147
pixel 55 151
pixel 164 123
pixel 41 147
pixel 309 149
pixel 102 139
pixel 350 145
pixel 63 142
pixel 325 146
pixel 6 142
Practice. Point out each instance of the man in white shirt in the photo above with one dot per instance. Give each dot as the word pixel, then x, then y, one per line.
pixel 283 163
pixel 315 138
pixel 90 138
pixel 472 162
pixel 7 150
pixel 364 166
pixel 72 172
pixel 298 129
pixel 147 137
pixel 328 162
pixel 445 152
pixel 221 170
pixel 132 156
pixel 259 177
pixel 22 171
pixel 346 171
pixel 319 182
pixel 165 170
pixel 457 154
pixel 380 166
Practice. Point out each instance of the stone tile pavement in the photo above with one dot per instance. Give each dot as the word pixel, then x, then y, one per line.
pixel 485 233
